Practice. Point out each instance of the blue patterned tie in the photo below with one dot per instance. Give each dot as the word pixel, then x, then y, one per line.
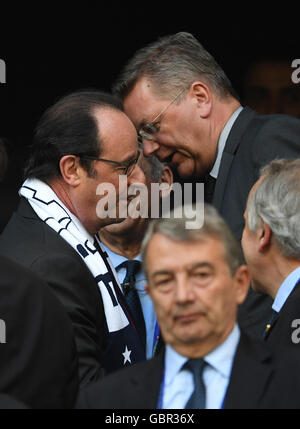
pixel 197 399
pixel 131 295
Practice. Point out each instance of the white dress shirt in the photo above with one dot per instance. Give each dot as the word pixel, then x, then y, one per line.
pixel 222 141
pixel 286 289
pixel 178 383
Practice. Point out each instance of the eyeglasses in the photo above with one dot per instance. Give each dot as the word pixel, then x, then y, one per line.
pixel 150 128
pixel 128 166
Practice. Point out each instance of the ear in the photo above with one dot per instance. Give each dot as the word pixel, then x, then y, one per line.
pixel 70 169
pixel 167 176
pixel 242 283
pixel 202 96
pixel 167 179
pixel 264 235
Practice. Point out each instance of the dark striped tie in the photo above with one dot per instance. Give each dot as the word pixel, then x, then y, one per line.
pixel 197 399
pixel 131 295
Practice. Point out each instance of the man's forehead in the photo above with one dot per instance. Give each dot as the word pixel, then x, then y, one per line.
pixel 111 122
pixel 144 87
pixel 161 245
pixel 140 103
pixel 114 128
pixel 103 114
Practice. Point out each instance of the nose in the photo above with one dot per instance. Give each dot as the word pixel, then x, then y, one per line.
pixel 184 291
pixel 150 147
pixel 137 176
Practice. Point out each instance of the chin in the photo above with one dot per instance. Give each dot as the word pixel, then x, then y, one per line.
pixel 183 171
pixel 188 170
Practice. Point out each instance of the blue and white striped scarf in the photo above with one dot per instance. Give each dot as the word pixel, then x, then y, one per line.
pixel 50 210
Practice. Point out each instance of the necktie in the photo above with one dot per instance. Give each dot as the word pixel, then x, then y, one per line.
pixel 209 188
pixel 131 295
pixel 269 324
pixel 197 399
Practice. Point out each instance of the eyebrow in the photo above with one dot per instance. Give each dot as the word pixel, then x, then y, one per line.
pixel 144 121
pixel 161 273
pixel 191 268
pixel 130 159
pixel 201 265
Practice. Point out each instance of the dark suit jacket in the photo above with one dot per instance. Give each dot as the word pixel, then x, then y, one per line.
pixel 253 142
pixel 258 379
pixel 9 403
pixel 281 331
pixel 30 242
pixel 38 358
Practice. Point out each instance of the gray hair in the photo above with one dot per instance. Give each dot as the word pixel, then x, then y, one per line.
pixel 276 201
pixel 156 167
pixel 172 63
pixel 214 226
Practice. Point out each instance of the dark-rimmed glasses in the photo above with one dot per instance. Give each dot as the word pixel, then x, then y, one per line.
pixel 128 166
pixel 148 130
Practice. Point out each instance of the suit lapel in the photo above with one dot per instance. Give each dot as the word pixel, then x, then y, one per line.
pixel 232 144
pixel 252 368
pixel 270 326
pixel 282 311
pixel 25 210
pixel 146 384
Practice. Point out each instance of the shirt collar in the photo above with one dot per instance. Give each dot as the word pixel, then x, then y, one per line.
pixel 173 364
pixel 222 141
pixel 286 289
pixel 220 359
pixel 117 259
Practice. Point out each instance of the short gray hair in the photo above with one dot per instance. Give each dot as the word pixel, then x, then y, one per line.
pixel 276 201
pixel 156 167
pixel 214 226
pixel 172 63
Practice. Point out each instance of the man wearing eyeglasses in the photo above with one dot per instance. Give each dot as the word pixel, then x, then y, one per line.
pixel 82 141
pixel 188 114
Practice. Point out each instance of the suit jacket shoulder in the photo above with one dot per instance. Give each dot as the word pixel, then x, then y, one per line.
pixel 136 387
pixel 260 375
pixel 29 241
pixel 253 141
pixel 38 361
pixel 9 403
pixel 284 328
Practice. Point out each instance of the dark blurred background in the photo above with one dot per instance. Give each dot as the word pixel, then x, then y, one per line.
pixel 50 51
